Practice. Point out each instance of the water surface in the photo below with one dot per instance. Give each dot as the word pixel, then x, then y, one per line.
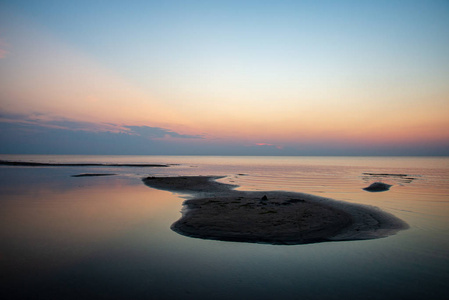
pixel 109 237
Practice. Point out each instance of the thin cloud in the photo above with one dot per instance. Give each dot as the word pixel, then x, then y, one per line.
pixel 270 145
pixel 40 134
pixel 39 120
pixel 159 133
pixel 48 121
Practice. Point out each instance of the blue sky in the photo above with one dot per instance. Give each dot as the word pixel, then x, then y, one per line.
pixel 228 77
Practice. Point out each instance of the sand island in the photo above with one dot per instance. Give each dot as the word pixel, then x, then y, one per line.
pixel 217 211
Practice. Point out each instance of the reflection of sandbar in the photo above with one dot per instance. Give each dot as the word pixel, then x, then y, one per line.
pixel 218 212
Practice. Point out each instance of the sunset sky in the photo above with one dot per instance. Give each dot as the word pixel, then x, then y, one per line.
pixel 224 77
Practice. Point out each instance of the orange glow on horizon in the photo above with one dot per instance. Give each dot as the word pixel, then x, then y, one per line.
pixel 60 81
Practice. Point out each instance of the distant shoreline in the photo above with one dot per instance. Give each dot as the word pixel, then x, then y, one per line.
pixel 219 212
pixel 39 164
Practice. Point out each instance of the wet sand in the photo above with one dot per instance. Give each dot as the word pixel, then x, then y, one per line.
pixel 219 212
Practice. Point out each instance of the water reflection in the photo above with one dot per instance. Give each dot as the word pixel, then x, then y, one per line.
pixel 110 237
pixel 52 227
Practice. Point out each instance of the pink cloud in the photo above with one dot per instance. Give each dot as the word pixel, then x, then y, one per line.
pixel 266 144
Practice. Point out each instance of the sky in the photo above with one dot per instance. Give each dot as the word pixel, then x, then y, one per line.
pixel 224 77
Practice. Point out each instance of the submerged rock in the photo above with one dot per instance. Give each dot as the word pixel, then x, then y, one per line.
pixel 378 187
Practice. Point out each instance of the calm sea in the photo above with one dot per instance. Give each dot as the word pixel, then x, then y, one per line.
pixel 65 237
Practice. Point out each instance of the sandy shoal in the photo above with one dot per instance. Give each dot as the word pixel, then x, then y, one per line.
pixel 219 212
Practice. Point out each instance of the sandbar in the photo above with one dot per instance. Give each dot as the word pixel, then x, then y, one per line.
pixel 93 175
pixel 219 212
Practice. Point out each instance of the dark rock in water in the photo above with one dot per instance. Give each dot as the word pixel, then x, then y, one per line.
pixel 264 198
pixel 378 187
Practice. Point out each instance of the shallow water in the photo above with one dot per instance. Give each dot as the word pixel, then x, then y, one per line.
pixel 109 237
